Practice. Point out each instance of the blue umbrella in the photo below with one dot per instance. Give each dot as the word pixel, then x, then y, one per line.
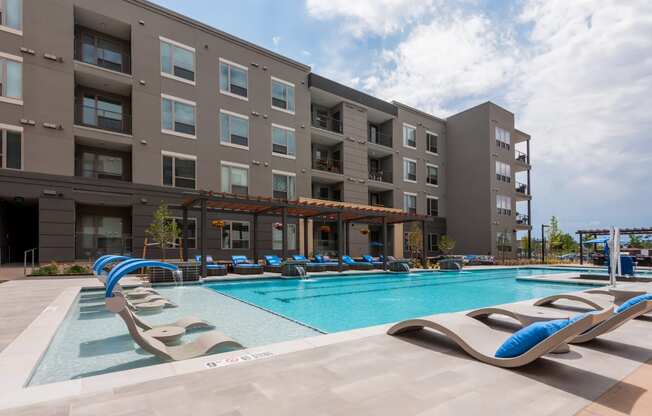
pixel 598 240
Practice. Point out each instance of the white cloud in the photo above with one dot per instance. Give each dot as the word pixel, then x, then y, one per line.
pixel 276 40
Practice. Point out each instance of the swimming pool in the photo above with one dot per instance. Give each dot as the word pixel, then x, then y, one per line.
pixel 92 341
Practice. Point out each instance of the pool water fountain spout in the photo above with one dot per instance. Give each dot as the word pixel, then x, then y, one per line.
pixel 302 272
pixel 177 275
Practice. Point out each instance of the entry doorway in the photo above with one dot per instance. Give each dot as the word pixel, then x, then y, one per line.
pixel 18 229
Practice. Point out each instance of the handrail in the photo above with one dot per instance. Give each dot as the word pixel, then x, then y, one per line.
pixel 522 157
pixel 100 118
pixel 326 122
pixel 33 251
pixel 380 138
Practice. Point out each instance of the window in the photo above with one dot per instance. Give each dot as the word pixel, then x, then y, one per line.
pixel 284 185
pixel 104 113
pixel 235 235
pixel 234 79
pixel 192 232
pixel 410 170
pixel 11 14
pixel 11 76
pixel 503 172
pixel 177 116
pixel 432 175
pixel 410 203
pixel 503 241
pixel 177 61
pixel 503 138
pixel 432 207
pixel 503 205
pixel 431 142
pixel 409 136
pixel 100 166
pixel 179 170
pixel 234 129
pixel 235 178
pixel 11 148
pixel 277 237
pixel 282 95
pixel 95 49
pixel 283 142
pixel 433 242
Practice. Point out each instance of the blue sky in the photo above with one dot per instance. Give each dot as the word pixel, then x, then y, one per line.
pixel 578 76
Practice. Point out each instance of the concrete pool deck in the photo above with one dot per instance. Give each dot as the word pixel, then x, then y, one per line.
pixel 353 372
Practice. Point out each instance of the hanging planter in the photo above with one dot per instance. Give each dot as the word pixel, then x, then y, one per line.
pixel 325 229
pixel 217 224
pixel 278 226
pixel 364 231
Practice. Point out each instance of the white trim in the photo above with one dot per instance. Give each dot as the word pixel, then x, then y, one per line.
pixel 176 133
pixel 432 165
pixel 233 164
pixel 407 159
pixel 282 110
pixel 283 127
pixel 181 100
pixel 230 94
pixel 10 100
pixel 176 78
pixel 282 81
pixel 437 136
pixel 432 197
pixel 410 193
pixel 283 173
pixel 271 95
pixel 404 138
pixel 11 127
pixel 175 43
pixel 237 65
pixel 77 126
pixel 11 57
pixel 11 30
pixel 236 146
pixel 231 113
pixel 283 156
pixel 175 155
pixel 180 156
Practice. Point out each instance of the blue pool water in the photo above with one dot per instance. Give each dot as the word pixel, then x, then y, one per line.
pixel 343 303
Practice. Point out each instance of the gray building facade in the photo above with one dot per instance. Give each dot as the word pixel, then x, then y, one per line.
pixel 108 109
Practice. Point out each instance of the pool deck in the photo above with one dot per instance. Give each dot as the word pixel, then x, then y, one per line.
pixel 354 372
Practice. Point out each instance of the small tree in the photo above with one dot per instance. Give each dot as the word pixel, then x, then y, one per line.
pixel 415 239
pixel 446 245
pixel 163 230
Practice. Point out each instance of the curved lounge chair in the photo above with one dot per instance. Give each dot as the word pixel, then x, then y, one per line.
pixel 204 344
pixel 527 315
pixel 187 323
pixel 242 265
pixel 481 342
pixel 591 300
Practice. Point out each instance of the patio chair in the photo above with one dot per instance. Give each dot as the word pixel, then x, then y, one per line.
pixel 242 265
pixel 330 264
pixel 273 264
pixel 498 348
pixel 527 315
pixel 205 343
pixel 378 264
pixel 309 265
pixel 212 268
pixel 187 323
pixel 596 299
pixel 356 265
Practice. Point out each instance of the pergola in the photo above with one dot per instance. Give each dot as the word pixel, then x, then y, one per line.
pixel 606 231
pixel 303 209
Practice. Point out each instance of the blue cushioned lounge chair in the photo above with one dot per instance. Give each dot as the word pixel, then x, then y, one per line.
pixel 309 265
pixel 329 264
pixel 376 263
pixel 212 268
pixel 242 265
pixel 273 264
pixel 356 265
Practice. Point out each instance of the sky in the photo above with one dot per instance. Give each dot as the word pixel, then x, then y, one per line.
pixel 577 74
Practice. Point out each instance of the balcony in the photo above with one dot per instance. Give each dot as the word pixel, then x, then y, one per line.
pixel 323 121
pixel 382 139
pixel 522 189
pixel 101 50
pixel 522 157
pixel 522 219
pixel 328 165
pixel 380 175
pixel 103 118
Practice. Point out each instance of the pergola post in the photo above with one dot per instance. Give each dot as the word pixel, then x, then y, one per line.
pixel 384 243
pixel 347 235
pixel 424 257
pixel 284 219
pixel 204 237
pixel 184 232
pixel 581 248
pixel 340 241
pixel 254 229
pixel 305 237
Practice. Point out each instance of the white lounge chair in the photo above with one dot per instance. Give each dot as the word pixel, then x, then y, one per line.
pixel 595 299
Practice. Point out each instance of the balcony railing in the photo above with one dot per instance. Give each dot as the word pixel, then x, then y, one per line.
pixel 327 165
pixel 103 119
pixel 522 219
pixel 380 175
pixel 104 174
pixel 325 122
pixel 106 54
pixel 380 138
pixel 93 245
pixel 521 188
pixel 522 157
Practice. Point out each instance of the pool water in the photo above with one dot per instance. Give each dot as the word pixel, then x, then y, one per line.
pixel 92 340
pixel 343 303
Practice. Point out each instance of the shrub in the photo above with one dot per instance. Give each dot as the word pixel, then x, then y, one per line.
pixel 76 269
pixel 51 269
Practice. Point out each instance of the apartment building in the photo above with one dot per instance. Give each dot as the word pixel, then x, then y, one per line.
pixel 108 109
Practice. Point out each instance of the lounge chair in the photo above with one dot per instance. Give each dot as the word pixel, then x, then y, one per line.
pixel 527 315
pixel 378 264
pixel 242 265
pixel 356 265
pixel 309 265
pixel 498 348
pixel 205 343
pixel 597 299
pixel 273 264
pixel 212 268
pixel 187 323
pixel 328 264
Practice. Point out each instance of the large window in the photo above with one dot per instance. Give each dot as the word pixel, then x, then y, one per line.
pixel 284 185
pixel 177 60
pixel 192 232
pixel 234 129
pixel 409 170
pixel 432 207
pixel 95 165
pixel 503 138
pixel 179 170
pixel 433 242
pixel 11 14
pixel 277 237
pixel 235 235
pixel 504 241
pixel 410 202
pixel 503 205
pixel 432 175
pixel 11 148
pixel 282 95
pixel 104 113
pixel 431 142
pixel 503 172
pixel 178 116
pixel 96 49
pixel 233 79
pixel 11 76
pixel 283 142
pixel 409 136
pixel 235 178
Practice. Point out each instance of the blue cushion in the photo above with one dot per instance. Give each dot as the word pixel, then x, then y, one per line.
pixel 347 260
pixel 247 265
pixel 239 259
pixel 523 340
pixel 215 266
pixel 319 259
pixel 273 260
pixel 299 257
pixel 633 301
pixel 368 258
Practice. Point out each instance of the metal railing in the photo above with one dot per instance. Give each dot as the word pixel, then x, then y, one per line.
pixel 522 157
pixel 328 165
pixel 326 122
pixel 112 59
pixel 522 219
pixel 32 253
pixel 380 175
pixel 103 174
pixel 521 188
pixel 380 138
pixel 91 116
